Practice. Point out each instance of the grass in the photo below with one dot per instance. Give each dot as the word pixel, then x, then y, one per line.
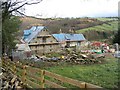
pixel 105 75
pixel 111 26
pixel 105 19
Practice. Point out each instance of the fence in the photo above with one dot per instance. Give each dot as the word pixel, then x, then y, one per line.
pixel 37 78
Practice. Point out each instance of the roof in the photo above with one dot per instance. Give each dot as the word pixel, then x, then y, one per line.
pixel 23 47
pixel 69 37
pixel 32 32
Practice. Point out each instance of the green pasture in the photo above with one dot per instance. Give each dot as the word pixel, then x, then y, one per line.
pixel 104 75
pixel 111 26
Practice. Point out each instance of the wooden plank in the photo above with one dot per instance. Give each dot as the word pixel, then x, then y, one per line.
pixel 19 65
pixel 30 83
pixel 14 78
pixel 42 79
pixel 52 84
pixel 33 76
pixel 19 88
pixel 65 79
pixel 88 85
pixel 24 74
pixel 33 70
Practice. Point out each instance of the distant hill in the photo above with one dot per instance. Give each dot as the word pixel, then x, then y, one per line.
pixel 54 25
pixel 101 32
pixel 78 25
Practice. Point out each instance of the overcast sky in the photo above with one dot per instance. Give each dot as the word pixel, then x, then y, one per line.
pixel 73 8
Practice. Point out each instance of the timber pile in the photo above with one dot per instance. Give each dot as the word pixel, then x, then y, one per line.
pixel 75 58
pixel 10 81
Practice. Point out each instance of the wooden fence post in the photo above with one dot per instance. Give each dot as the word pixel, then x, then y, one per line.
pixel 14 68
pixel 24 74
pixel 42 79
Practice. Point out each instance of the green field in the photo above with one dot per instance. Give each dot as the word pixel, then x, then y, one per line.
pixel 111 26
pixel 106 19
pixel 104 75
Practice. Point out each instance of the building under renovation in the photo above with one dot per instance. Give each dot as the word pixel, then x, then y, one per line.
pixel 41 41
pixel 69 40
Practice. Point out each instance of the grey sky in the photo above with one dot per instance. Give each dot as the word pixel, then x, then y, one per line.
pixel 74 8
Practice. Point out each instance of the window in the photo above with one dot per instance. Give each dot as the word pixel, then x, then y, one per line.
pixel 35 51
pixel 36 47
pixel 50 49
pixel 78 43
pixel 43 39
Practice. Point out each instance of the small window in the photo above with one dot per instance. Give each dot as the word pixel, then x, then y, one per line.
pixel 43 39
pixel 35 51
pixel 43 46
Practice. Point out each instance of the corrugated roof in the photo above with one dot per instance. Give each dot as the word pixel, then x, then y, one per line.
pixel 31 33
pixel 71 37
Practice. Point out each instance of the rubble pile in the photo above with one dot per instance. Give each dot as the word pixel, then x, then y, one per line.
pixel 74 58
pixel 84 58
pixel 10 81
pixel 78 58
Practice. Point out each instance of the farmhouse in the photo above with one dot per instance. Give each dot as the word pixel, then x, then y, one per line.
pixel 69 40
pixel 40 40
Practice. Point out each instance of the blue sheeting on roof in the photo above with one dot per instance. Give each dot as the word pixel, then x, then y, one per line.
pixel 59 37
pixel 70 37
pixel 31 33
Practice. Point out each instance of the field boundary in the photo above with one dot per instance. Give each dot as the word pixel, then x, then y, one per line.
pixel 27 75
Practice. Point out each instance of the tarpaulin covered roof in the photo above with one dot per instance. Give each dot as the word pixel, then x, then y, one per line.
pixel 31 33
pixel 70 37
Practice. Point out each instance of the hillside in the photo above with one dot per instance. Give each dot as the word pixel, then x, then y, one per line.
pixel 104 31
pixel 101 27
pixel 54 25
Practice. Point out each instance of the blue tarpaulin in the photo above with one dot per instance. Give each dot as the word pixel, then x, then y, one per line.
pixel 32 32
pixel 71 37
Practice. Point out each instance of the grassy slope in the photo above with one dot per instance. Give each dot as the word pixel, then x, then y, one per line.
pixel 104 75
pixel 110 26
pixel 106 19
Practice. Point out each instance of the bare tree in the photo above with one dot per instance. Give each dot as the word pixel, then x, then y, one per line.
pixel 15 6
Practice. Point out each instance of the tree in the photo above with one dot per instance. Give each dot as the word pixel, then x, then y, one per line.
pixel 10 22
pixel 9 29
pixel 117 37
pixel 15 6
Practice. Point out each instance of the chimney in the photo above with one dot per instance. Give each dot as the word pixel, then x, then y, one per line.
pixel 60 31
pixel 71 32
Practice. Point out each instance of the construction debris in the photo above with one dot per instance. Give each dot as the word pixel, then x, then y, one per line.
pixel 10 81
pixel 76 58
